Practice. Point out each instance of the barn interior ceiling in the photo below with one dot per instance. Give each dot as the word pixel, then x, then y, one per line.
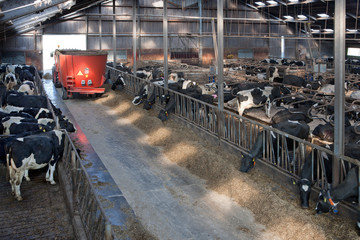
pixel 21 16
pixel 306 16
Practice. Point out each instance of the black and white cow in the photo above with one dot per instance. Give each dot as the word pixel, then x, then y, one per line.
pixel 144 74
pixel 27 87
pixel 20 114
pixel 237 87
pixel 17 125
pixel 274 74
pixel 328 200
pixel 33 152
pixel 294 80
pixel 120 81
pixel 195 92
pixel 21 100
pixel 294 128
pixel 326 132
pixel 293 115
pixel 310 169
pixel 35 112
pixel 257 97
pixel 10 81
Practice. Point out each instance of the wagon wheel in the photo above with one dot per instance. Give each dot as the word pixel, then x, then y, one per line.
pixel 64 94
pixel 56 79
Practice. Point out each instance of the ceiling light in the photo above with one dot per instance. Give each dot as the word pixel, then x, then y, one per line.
pixel 158 4
pixel 302 17
pixel 351 30
pixel 315 30
pixel 260 4
pixel 323 15
pixel 328 30
pixel 288 17
pixel 293 1
pixel 272 3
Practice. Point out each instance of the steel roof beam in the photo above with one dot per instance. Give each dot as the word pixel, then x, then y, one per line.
pixel 28 9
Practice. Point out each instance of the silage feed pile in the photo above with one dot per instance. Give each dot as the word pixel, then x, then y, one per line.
pixel 279 210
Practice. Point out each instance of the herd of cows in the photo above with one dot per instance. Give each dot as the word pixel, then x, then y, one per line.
pixel 30 135
pixel 314 102
pixel 31 138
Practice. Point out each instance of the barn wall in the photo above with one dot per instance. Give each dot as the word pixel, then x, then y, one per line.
pixel 23 49
pixel 262 38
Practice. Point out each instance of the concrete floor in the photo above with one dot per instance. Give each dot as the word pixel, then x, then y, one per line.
pixel 169 201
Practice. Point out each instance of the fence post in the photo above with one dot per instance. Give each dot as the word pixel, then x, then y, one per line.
pixel 108 235
pixel 73 173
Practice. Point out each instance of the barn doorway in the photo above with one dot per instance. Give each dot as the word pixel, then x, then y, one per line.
pixel 52 42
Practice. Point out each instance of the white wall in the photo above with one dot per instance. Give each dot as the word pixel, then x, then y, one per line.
pixel 52 42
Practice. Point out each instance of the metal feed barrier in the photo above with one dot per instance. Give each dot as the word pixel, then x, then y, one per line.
pixel 241 133
pixel 82 200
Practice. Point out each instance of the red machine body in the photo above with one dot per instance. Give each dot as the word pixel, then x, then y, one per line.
pixel 80 71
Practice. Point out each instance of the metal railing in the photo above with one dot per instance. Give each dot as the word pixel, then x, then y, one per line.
pixel 83 200
pixel 241 133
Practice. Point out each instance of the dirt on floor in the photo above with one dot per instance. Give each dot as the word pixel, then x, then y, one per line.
pixel 275 207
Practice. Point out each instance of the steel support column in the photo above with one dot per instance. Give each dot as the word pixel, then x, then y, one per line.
pixel 114 35
pixel 339 55
pixel 200 32
pixel 282 47
pixel 134 36
pixel 165 43
pixel 100 28
pixel 87 31
pixel 220 62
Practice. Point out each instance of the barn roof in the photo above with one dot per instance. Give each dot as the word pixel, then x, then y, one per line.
pixel 20 16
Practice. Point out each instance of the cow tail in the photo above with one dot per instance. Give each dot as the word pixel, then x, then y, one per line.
pixel 56 154
pixel 13 165
pixel 8 168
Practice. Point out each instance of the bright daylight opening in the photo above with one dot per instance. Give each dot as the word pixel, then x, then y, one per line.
pixel 52 42
pixel 353 52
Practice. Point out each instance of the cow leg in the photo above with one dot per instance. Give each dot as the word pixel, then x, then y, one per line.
pixel 240 109
pixel 26 175
pixel 51 170
pixel 12 179
pixel 267 107
pixel 19 176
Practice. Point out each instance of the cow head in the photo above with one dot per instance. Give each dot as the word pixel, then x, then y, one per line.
pixel 45 128
pixel 163 115
pixel 10 81
pixel 247 163
pixel 164 99
pixel 325 203
pixel 148 104
pixel 305 189
pixel 119 82
pixel 66 124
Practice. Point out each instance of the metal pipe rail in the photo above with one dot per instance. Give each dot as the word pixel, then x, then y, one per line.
pixel 286 153
pixel 84 201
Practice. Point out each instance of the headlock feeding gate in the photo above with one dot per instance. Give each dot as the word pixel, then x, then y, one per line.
pixel 240 133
